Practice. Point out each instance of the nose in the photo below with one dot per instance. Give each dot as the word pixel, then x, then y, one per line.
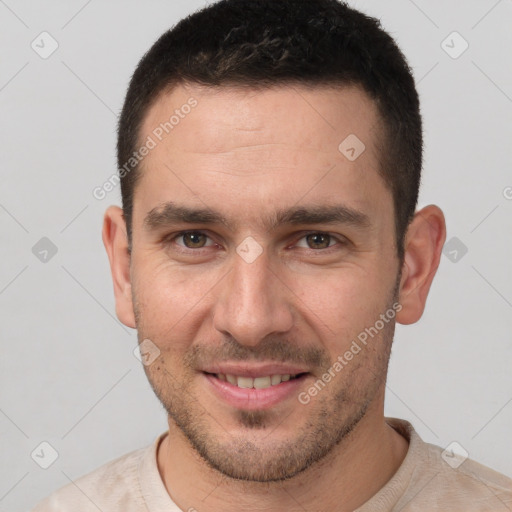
pixel 252 302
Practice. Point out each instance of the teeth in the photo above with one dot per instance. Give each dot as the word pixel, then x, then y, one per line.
pixel 256 383
pixel 262 382
pixel 276 379
pixel 245 382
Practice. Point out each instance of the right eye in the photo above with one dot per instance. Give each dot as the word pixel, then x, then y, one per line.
pixel 192 240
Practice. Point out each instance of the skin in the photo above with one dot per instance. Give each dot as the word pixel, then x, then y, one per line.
pixel 246 154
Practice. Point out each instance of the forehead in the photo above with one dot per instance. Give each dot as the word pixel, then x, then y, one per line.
pixel 225 114
pixel 231 147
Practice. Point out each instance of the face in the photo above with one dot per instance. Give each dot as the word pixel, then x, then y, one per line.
pixel 259 250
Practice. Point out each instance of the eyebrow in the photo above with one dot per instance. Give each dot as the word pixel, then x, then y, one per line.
pixel 171 213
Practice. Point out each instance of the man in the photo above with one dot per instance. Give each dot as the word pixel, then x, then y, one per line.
pixel 270 157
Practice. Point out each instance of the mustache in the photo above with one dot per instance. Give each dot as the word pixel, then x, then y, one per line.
pixel 270 349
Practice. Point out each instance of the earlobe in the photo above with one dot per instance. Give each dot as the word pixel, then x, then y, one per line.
pixel 116 244
pixel 422 252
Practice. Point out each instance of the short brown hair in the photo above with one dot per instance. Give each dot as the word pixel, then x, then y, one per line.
pixel 263 43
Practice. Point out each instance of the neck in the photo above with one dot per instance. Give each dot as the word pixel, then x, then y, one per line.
pixel 344 480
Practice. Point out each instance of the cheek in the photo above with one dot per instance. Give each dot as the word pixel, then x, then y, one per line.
pixel 171 301
pixel 342 299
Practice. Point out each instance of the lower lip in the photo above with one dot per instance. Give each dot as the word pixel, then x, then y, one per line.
pixel 251 399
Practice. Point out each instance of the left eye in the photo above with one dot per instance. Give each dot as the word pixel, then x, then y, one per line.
pixel 193 240
pixel 317 241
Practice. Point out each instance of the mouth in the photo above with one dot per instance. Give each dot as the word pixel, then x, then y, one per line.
pixel 260 392
pixel 262 382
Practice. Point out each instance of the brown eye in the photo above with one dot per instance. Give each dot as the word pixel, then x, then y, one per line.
pixel 193 240
pixel 318 240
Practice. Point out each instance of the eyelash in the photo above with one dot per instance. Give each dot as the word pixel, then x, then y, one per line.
pixel 339 241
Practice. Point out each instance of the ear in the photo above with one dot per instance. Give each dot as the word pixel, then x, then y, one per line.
pixel 115 240
pixel 422 251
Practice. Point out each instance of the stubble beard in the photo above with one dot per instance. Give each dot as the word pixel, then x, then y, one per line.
pixel 336 413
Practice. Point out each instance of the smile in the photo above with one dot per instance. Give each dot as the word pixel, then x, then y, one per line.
pixel 254 393
pixel 255 383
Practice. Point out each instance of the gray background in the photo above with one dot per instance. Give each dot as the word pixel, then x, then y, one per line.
pixel 68 373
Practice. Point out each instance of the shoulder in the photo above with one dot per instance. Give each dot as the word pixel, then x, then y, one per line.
pixel 459 481
pixel 434 478
pixel 113 486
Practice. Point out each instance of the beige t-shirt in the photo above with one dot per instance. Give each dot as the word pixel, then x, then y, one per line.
pixel 424 482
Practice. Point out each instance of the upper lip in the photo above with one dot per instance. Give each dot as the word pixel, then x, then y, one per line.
pixel 253 370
